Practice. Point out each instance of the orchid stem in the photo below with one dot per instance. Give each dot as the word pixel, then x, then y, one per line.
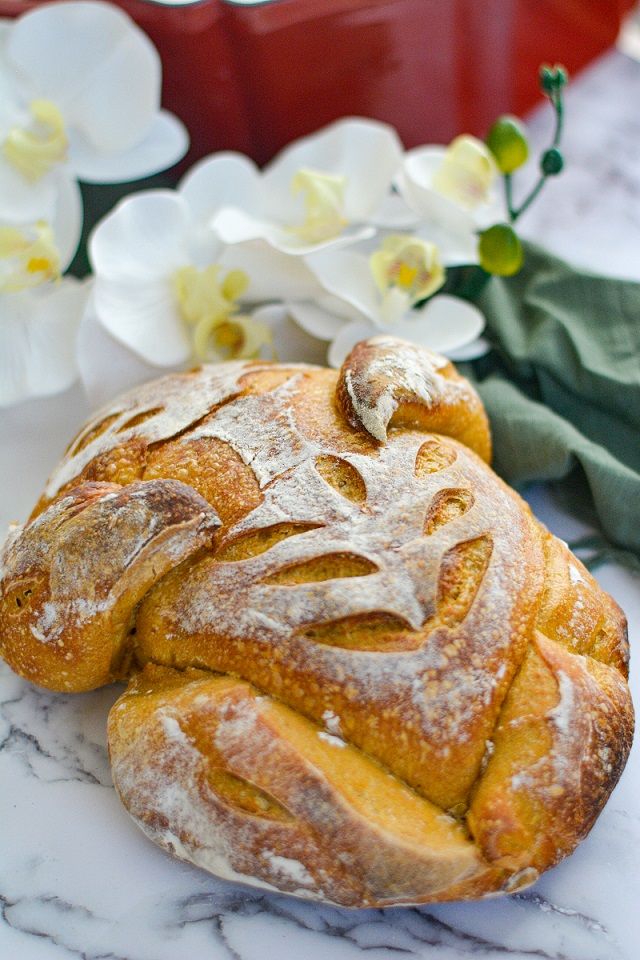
pixel 516 212
pixel 508 193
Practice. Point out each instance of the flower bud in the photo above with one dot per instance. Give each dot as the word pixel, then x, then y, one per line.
pixel 500 251
pixel 553 78
pixel 552 162
pixel 547 78
pixel 562 76
pixel 507 140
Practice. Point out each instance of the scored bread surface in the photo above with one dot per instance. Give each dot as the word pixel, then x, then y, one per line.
pixel 360 670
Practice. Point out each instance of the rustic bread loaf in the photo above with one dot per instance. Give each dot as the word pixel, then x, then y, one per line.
pixel 359 669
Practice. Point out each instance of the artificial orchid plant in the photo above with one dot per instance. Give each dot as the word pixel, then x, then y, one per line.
pixel 320 249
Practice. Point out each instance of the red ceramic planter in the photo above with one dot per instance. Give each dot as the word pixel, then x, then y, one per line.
pixel 252 76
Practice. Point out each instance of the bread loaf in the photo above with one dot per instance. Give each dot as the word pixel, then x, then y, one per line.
pixel 359 670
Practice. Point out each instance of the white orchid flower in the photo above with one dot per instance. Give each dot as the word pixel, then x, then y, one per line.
pixel 169 292
pixel 40 315
pixel 79 98
pixel 366 294
pixel 38 329
pixel 323 190
pixel 453 190
pixel 159 286
pixel 108 368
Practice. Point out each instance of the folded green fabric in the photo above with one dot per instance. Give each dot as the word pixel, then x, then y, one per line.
pixel 562 386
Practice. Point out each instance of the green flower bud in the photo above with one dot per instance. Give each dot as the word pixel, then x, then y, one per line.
pixel 553 79
pixel 547 78
pixel 500 250
pixel 562 76
pixel 507 140
pixel 552 162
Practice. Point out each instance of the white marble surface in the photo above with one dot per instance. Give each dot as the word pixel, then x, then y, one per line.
pixel 590 215
pixel 78 879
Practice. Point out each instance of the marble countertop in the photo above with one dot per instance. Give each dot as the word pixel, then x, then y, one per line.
pixel 591 214
pixel 78 879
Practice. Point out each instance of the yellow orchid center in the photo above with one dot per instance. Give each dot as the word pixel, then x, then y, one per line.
pixel 36 149
pixel 323 195
pixel 467 172
pixel 208 306
pixel 240 338
pixel 405 269
pixel 28 257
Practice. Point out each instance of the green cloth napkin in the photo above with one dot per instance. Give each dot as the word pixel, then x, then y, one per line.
pixel 562 386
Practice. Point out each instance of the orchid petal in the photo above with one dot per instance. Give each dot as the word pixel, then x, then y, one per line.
pixel 467 173
pixel 23 201
pixel 203 247
pixel 415 183
pixel 471 351
pixel 272 274
pixel 56 200
pixel 394 213
pixel 346 340
pixel 348 276
pixel 395 304
pixel 345 148
pixel 220 181
pixel 144 238
pixel 290 343
pixel 88 57
pixel 97 351
pixel 67 219
pixel 236 226
pixel 143 315
pixel 12 88
pixel 444 323
pixel 406 269
pixel 166 142
pixel 456 249
pixel 316 321
pixel 338 308
pixel 37 340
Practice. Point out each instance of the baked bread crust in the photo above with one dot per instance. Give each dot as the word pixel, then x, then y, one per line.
pixel 360 670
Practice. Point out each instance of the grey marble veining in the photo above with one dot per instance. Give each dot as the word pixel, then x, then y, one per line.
pixel 79 880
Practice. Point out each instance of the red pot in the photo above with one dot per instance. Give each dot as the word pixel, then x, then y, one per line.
pixel 252 76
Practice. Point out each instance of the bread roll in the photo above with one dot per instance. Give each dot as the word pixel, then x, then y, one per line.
pixel 359 670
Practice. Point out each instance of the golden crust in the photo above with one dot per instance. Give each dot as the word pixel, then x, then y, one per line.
pixel 247 788
pixel 74 577
pixel 385 382
pixel 407 690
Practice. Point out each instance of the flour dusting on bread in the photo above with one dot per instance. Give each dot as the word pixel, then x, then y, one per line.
pixel 360 670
